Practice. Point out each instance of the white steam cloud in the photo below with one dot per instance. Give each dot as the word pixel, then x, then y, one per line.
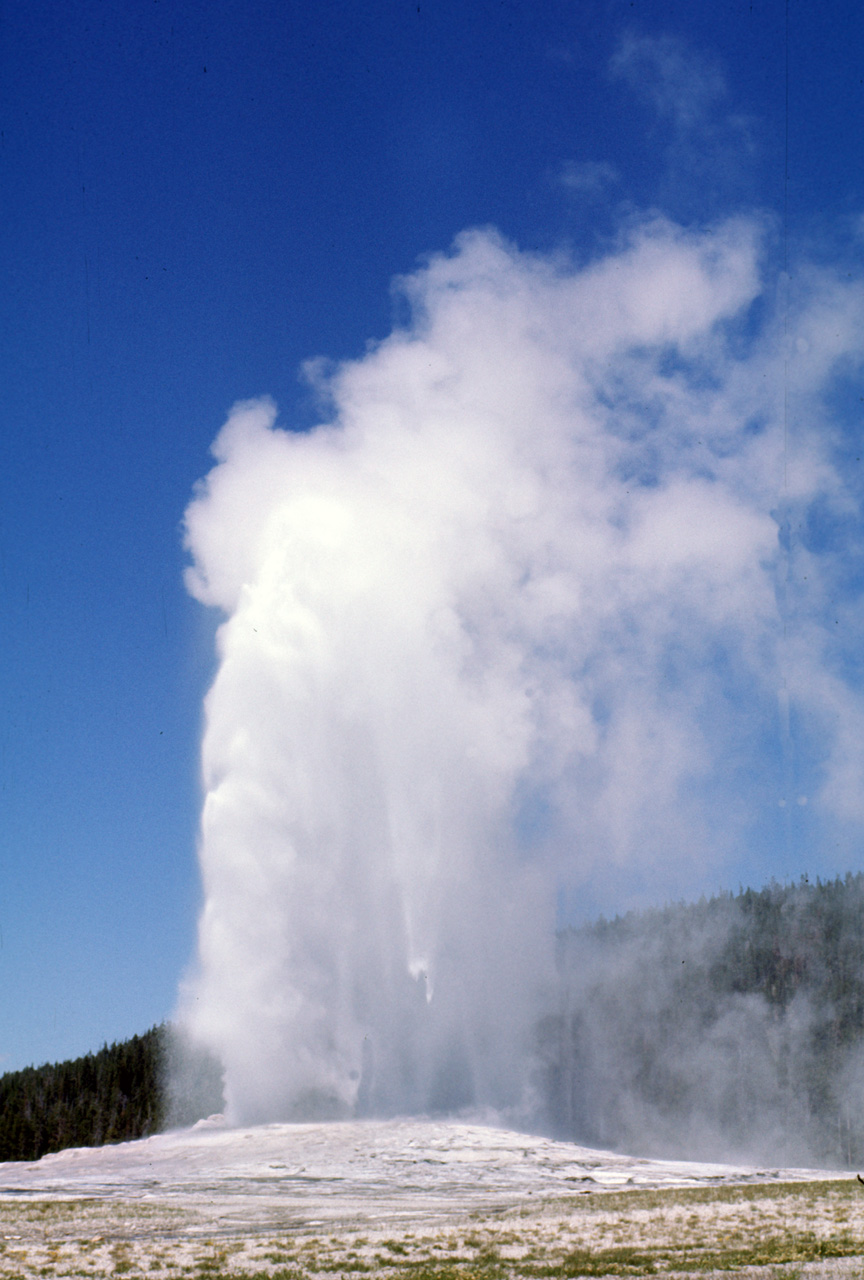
pixel 511 619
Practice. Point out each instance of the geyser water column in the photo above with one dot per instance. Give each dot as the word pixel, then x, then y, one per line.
pixel 366 921
pixel 463 648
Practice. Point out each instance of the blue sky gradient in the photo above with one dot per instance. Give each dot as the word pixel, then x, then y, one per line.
pixel 198 199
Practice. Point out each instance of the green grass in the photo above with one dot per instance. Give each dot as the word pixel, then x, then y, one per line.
pixel 776 1228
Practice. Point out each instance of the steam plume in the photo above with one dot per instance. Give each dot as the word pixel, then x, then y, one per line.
pixel 503 623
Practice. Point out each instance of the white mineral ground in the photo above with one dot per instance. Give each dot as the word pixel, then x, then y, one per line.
pixel 325 1198
pixel 372 1170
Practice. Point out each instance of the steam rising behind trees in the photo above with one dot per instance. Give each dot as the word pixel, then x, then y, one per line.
pixel 729 1028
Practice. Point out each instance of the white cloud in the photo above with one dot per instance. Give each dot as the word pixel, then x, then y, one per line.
pixel 699 148
pixel 680 84
pixel 588 177
pixel 507 621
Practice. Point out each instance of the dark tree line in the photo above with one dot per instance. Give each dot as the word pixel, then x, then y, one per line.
pixel 109 1096
pixel 127 1090
pixel 731 1026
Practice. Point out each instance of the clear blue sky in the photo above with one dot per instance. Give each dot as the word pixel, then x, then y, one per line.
pixel 196 199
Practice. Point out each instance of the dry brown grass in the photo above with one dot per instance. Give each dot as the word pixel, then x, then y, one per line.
pixel 776 1230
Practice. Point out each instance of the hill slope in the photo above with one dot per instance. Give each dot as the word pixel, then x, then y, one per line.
pixel 729 1027
pixel 108 1096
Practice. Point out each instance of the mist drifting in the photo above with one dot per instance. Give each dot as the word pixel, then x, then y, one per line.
pixel 510 620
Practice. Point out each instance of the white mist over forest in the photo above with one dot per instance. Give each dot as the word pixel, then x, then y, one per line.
pixel 513 620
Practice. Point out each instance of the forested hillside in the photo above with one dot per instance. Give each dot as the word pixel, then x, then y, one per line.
pixel 107 1096
pixel 121 1092
pixel 732 1026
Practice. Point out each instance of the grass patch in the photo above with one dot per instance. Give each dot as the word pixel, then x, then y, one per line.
pixel 602 1262
pixel 773 1228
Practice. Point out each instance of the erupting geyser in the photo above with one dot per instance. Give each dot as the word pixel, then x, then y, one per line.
pixel 488 629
